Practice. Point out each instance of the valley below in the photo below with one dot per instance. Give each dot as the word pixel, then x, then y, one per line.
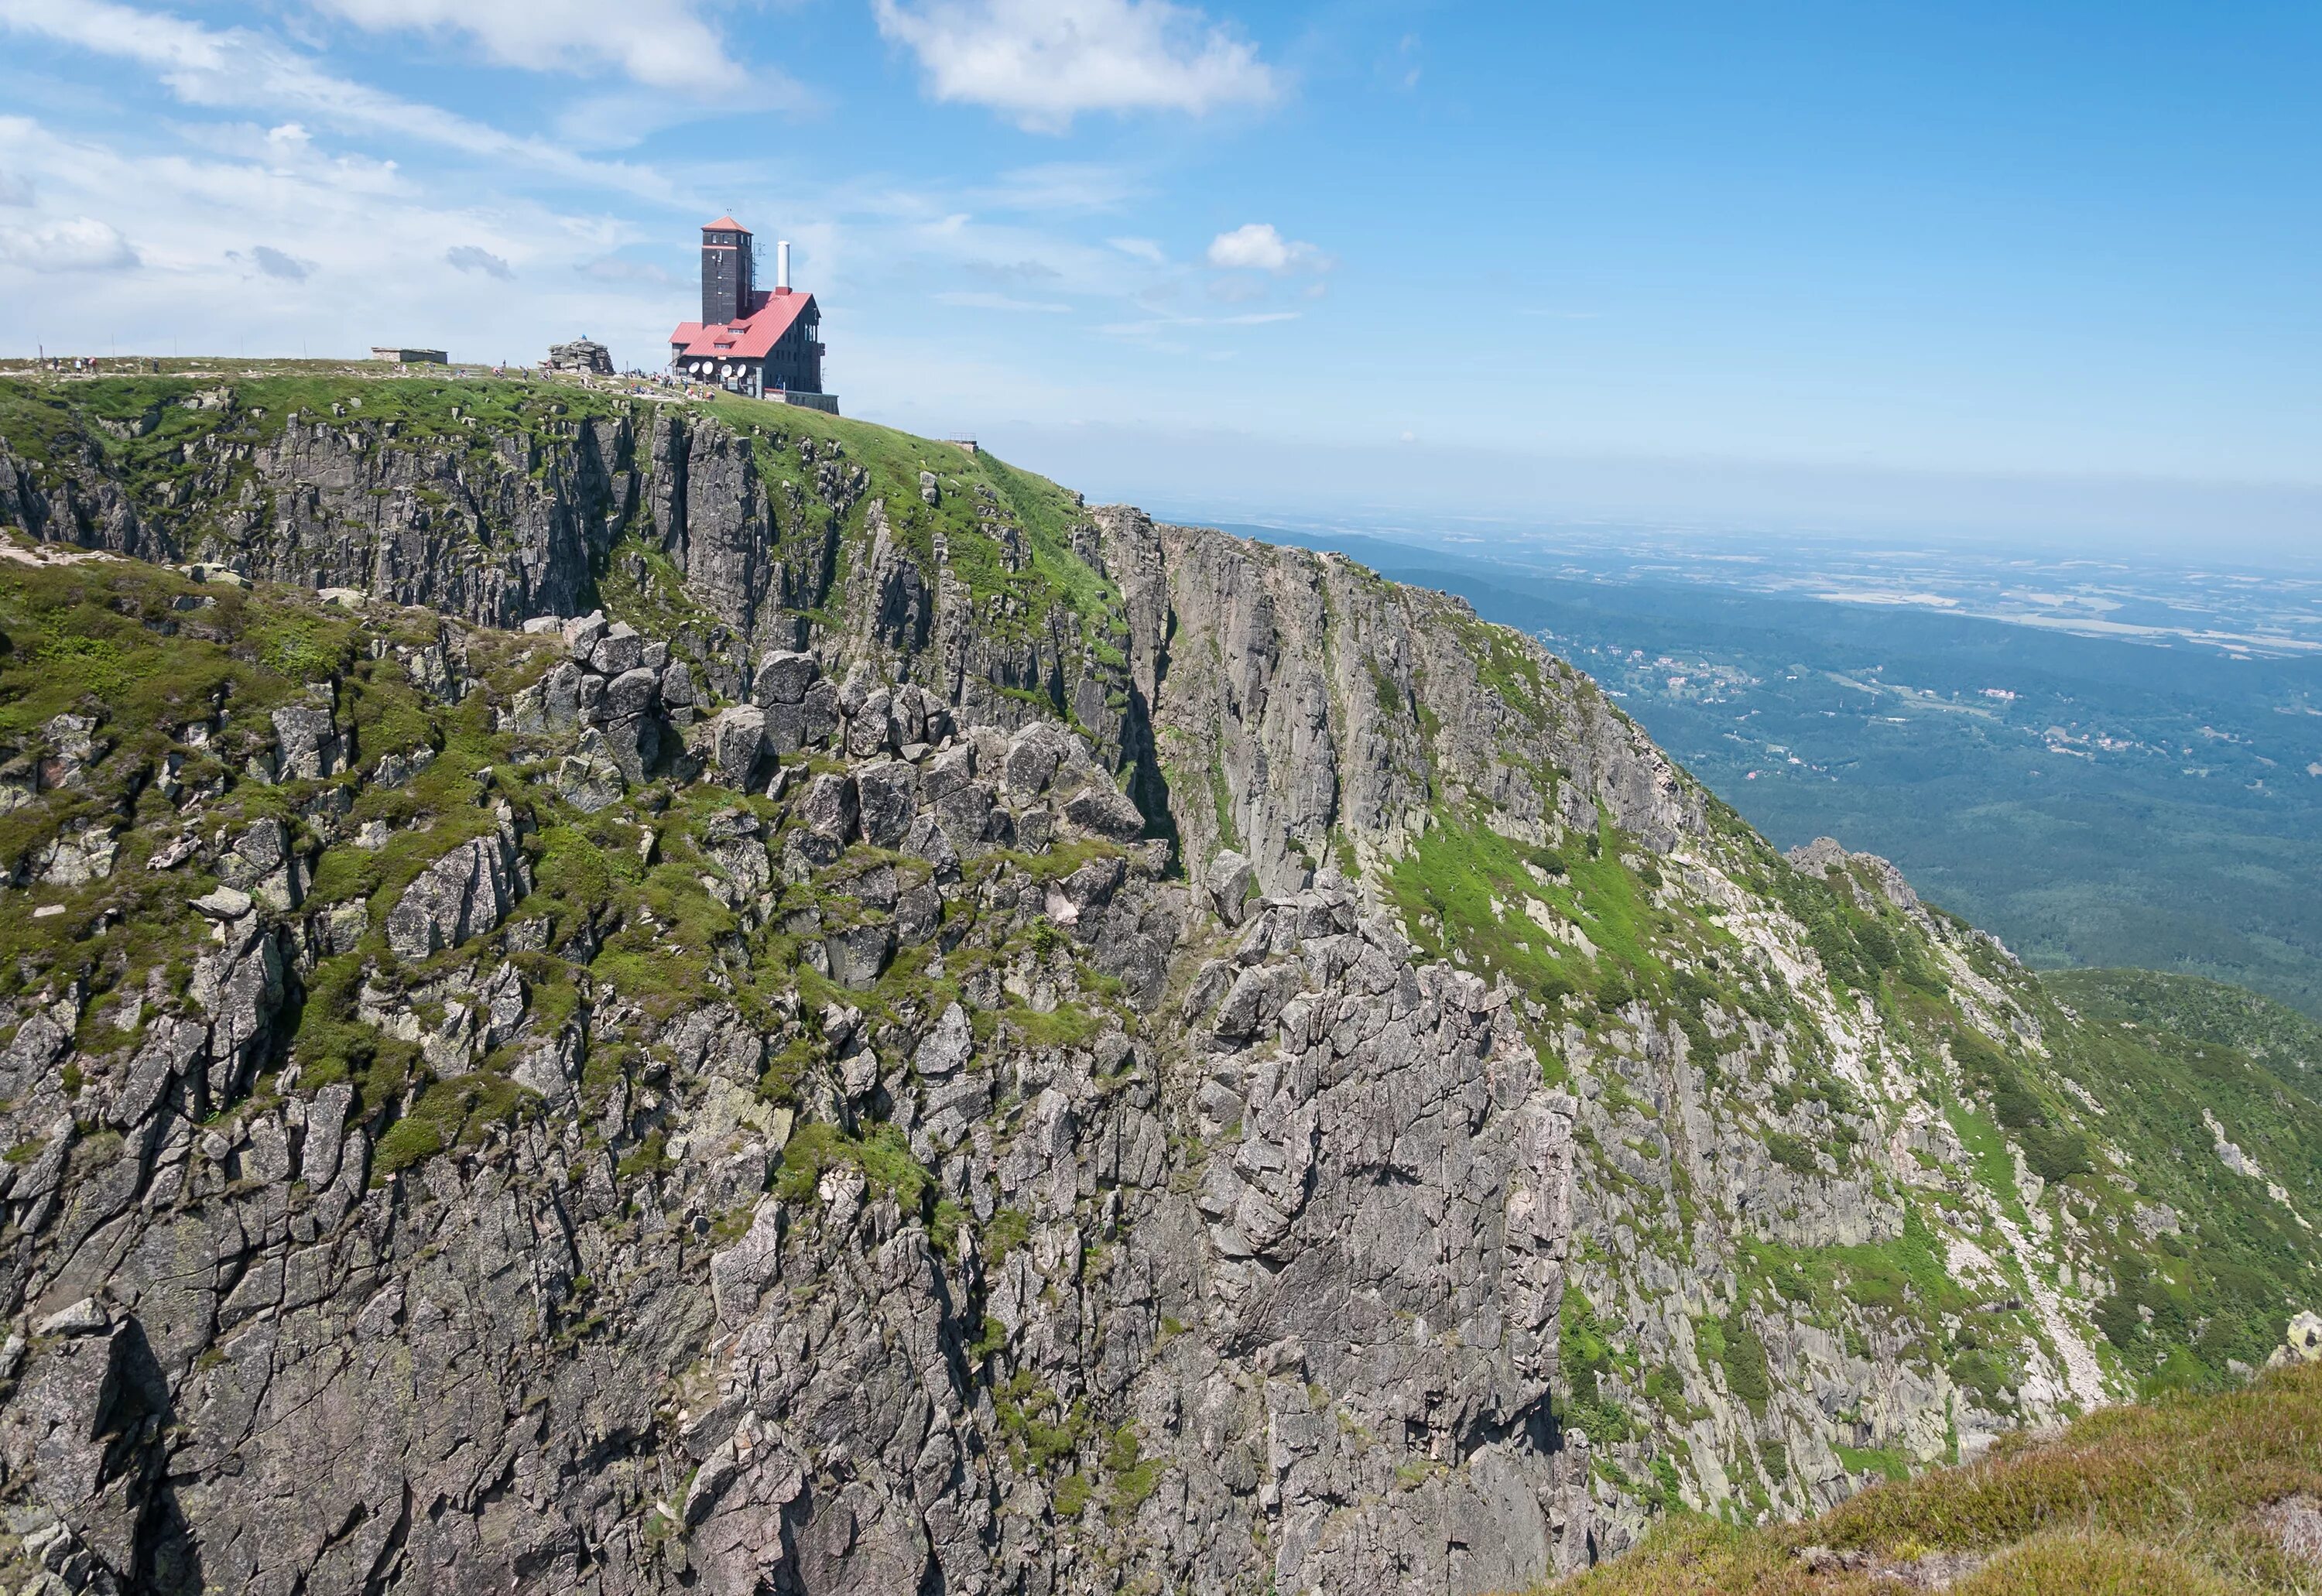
pixel 2105 764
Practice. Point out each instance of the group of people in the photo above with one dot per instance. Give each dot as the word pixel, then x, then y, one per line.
pixel 89 365
pixel 641 383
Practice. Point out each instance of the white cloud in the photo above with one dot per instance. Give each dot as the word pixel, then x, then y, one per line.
pixel 211 69
pixel 612 268
pixel 975 300
pixel 473 258
pixel 350 220
pixel 274 263
pixel 16 189
pixel 623 117
pixel 1258 246
pixel 1028 273
pixel 1044 62
pixel 905 236
pixel 1404 66
pixel 1152 324
pixel 1141 249
pixel 663 43
pixel 81 243
pixel 1059 186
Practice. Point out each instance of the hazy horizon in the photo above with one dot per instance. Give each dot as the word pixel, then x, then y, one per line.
pixel 1489 497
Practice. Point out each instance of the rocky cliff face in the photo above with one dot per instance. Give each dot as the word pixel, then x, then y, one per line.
pixel 955 1041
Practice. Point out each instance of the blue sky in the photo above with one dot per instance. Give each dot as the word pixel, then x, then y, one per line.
pixel 2051 268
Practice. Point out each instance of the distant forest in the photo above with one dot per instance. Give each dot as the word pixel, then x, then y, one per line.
pixel 2130 804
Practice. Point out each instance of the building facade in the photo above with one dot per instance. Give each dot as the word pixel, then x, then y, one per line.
pixel 763 343
pixel 728 274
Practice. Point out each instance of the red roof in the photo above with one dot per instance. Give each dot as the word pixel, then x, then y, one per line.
pixel 724 225
pixel 753 337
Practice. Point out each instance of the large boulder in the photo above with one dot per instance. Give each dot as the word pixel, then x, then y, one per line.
pixel 820 713
pixel 308 744
pixel 737 742
pixel 622 648
pixel 583 633
pixel 965 813
pixel 888 799
pixel 829 805
pixel 783 677
pixel 590 782
pixel 947 771
pixel 463 894
pixel 1034 754
pixel 944 1051
pixel 560 692
pixel 591 700
pixel 868 731
pixel 785 727
pixel 1230 881
pixel 239 985
pixel 633 693
pixel 326 1126
pixel 859 953
pixel 632 743
pixel 2301 1343
pixel 1104 810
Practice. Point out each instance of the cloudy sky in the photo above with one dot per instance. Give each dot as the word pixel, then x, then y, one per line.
pixel 2038 266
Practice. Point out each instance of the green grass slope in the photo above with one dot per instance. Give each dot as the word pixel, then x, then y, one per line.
pixel 2280 1038
pixel 2186 1497
pixel 2206 1284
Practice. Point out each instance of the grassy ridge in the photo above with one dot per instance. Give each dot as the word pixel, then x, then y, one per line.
pixel 2171 1499
pixel 160 437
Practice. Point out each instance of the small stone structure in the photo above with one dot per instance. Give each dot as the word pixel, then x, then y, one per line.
pixel 583 354
pixel 410 357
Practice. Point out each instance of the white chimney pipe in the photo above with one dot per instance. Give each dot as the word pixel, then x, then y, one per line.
pixel 782 266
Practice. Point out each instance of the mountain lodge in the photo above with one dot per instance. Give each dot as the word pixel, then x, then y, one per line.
pixel 763 343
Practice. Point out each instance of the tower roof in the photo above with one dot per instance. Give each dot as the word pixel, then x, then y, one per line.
pixel 724 225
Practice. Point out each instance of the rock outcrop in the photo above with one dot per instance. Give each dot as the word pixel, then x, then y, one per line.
pixel 835 1022
pixel 2302 1343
